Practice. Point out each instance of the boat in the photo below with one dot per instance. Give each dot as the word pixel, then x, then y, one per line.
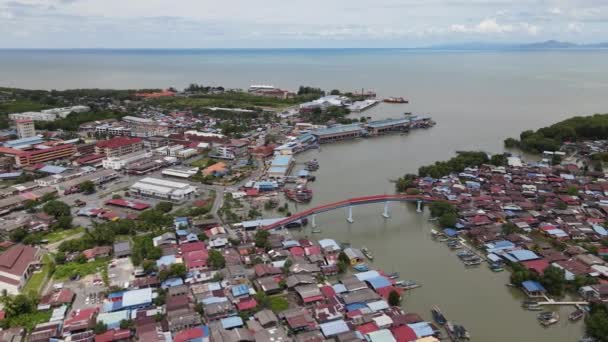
pixel 368 254
pixel 316 231
pixel 438 315
pixel 461 333
pixel 531 305
pixel 393 275
pixel 407 284
pixel 455 244
pixel 311 165
pixel 496 267
pixel 299 195
pixel 395 100
pixel 361 267
pixel 548 318
pixel 473 262
pixel 576 315
pixel 465 253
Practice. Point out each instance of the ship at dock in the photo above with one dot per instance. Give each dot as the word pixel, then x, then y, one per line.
pixel 395 100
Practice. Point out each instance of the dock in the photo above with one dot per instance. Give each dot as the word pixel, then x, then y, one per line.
pixel 551 302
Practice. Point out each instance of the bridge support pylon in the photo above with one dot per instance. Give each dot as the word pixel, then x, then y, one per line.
pixel 419 206
pixel 313 221
pixel 349 218
pixel 386 213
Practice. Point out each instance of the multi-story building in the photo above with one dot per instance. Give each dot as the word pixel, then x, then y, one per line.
pixel 32 157
pixel 36 116
pixel 223 152
pixel 119 146
pixel 25 128
pixel 120 162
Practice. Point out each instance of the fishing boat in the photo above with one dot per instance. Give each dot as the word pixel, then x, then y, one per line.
pixel 461 333
pixel 393 275
pixel 548 318
pixel 438 315
pixel 465 253
pixel 531 305
pixel 311 165
pixel 395 100
pixel 455 244
pixel 316 231
pixel 435 233
pixel 496 267
pixel 473 262
pixel 407 284
pixel 361 268
pixel 576 315
pixel 368 254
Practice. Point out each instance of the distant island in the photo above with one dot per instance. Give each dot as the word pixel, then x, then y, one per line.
pixel 549 44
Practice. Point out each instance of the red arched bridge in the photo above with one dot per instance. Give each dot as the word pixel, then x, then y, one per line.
pixel 349 203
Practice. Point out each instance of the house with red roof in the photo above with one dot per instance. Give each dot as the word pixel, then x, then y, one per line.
pixel 58 298
pixel 16 266
pixel 119 146
pixel 80 320
pixel 113 335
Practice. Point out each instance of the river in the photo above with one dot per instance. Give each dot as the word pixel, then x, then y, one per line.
pixel 476 298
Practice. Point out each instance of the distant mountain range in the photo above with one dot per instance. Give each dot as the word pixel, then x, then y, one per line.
pixel 549 44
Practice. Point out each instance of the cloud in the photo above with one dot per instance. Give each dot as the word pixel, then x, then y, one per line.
pixel 492 27
pixel 574 28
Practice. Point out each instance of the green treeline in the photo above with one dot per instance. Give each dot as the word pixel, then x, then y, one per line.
pixel 551 138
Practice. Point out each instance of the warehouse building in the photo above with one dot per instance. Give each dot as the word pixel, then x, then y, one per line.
pixel 163 189
pixel 339 132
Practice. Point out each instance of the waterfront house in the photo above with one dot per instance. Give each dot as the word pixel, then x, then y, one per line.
pixel 354 255
pixel 533 289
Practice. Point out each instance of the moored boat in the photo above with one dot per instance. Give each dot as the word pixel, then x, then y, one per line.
pixel 407 284
pixel 473 261
pixel 316 231
pixel 461 333
pixel 576 315
pixel 395 100
pixel 393 275
pixel 368 254
pixel 311 165
pixel 548 318
pixel 531 305
pixel 438 315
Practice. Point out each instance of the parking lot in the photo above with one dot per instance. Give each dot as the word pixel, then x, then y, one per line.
pixel 88 291
pixel 120 272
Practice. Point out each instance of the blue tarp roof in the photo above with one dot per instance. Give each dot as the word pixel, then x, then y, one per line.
pixel 213 300
pixel 355 306
pixel 363 276
pixel 532 286
pixel 166 260
pixel 334 328
pixel 240 290
pixel 181 232
pixel 450 232
pixel 232 322
pixel 379 282
pixel 339 288
pixel 422 329
pixel 600 230
pixel 172 282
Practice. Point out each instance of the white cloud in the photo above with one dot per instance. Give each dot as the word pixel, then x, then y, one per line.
pixel 574 28
pixel 555 10
pixel 492 27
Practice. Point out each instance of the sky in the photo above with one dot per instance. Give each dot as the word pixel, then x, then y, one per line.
pixel 295 23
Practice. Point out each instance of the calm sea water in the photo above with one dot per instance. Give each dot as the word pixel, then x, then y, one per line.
pixel 477 98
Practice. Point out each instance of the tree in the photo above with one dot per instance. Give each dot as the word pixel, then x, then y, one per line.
pixel 164 207
pixel 597 323
pixel 440 208
pixel 553 280
pixel 178 270
pixel 56 208
pixel 63 222
pixel 126 324
pixel 394 299
pixel 88 187
pixel 261 239
pixel 448 220
pixel 498 160
pixel 509 228
pixel 100 328
pixel 18 234
pixel 572 190
pixel 216 259
pixel 406 182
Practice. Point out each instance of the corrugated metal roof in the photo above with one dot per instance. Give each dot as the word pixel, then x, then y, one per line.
pixel 334 328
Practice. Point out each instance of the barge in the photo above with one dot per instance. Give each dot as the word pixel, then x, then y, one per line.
pixel 395 100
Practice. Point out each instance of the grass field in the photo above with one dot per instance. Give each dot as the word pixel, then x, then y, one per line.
pixel 62 234
pixel 35 282
pixel 63 272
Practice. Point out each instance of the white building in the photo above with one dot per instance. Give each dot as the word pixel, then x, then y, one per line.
pixel 36 116
pixel 25 128
pixel 118 163
pixel 223 152
pixel 180 173
pixel 163 189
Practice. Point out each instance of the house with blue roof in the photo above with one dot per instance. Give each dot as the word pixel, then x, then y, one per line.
pixel 172 282
pixel 533 289
pixel 231 322
pixel 240 290
pixel 334 328
pixel 166 261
